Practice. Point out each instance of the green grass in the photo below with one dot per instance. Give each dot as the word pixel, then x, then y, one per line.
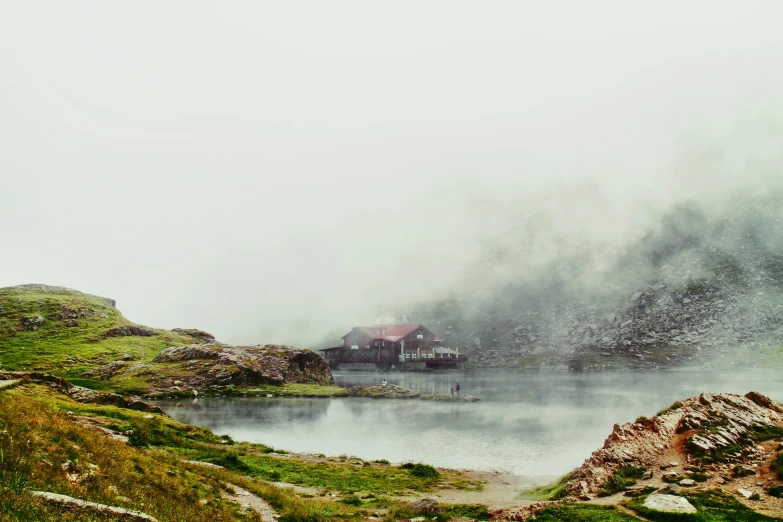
pixel 622 478
pixel 420 470
pixel 762 433
pixel 553 491
pixel 152 474
pixel 470 511
pixel 348 476
pixel 777 465
pixel 67 346
pixel 712 506
pixel 676 405
pixel 44 446
pixel 582 513
pixel 294 390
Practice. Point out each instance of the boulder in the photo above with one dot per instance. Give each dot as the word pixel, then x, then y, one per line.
pixel 242 365
pixel 428 506
pixel 669 504
pixel 129 331
pixel 87 395
pixel 101 510
pixel 198 334
pixel 32 323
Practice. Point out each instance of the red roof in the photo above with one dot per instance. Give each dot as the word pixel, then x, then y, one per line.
pixel 387 332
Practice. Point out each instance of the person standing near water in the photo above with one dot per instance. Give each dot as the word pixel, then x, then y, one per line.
pixel 457 388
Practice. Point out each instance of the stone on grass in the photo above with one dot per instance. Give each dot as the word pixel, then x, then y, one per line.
pixel 669 504
pixel 427 506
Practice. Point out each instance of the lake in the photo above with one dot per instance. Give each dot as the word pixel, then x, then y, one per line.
pixel 535 424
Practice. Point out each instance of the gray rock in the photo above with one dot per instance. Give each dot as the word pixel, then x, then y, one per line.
pixel 668 504
pixel 427 506
pixel 32 323
pixel 101 509
pixel 688 483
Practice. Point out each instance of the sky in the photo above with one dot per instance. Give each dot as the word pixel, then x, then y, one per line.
pixel 271 171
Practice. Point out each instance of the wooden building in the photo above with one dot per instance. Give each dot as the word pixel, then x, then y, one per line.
pixel 393 345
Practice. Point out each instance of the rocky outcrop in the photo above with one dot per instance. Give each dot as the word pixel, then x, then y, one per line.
pixel 98 397
pixel 210 365
pixel 426 506
pixel 57 383
pixel 198 334
pixel 79 393
pixel 711 429
pixel 32 323
pixel 128 331
pixel 699 287
pixel 390 391
pixel 106 371
pixel 101 510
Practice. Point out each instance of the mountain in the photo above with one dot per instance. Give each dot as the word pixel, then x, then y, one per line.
pixel 703 285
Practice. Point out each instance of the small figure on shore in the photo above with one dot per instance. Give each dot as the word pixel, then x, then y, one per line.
pixel 452 392
pixel 457 388
pixel 383 382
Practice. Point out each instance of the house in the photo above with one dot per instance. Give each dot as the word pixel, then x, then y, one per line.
pixel 392 345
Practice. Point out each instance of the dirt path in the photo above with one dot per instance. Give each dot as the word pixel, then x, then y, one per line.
pixel 5 384
pixel 252 502
pixel 500 490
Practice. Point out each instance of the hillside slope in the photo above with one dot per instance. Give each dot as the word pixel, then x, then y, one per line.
pixel 85 339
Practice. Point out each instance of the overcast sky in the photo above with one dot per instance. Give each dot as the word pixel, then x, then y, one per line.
pixel 268 171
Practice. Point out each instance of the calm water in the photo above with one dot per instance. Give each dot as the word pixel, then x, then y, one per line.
pixel 534 424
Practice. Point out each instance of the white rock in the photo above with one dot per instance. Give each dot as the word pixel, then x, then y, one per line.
pixel 688 483
pixel 745 493
pixel 669 504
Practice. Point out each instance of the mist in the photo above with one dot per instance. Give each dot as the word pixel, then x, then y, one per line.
pixel 281 173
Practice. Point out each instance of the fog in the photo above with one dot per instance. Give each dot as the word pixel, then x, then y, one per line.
pixel 272 173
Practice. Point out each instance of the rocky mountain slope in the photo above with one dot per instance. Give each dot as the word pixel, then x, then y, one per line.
pixel 702 286
pixel 85 339
pixel 713 444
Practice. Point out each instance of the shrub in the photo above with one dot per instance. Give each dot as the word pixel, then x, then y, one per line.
pixel 740 471
pixel 420 470
pixel 621 479
pixel 676 405
pixel 352 500
pixel 698 476
pixel 777 465
pixel 641 420
pixel 776 491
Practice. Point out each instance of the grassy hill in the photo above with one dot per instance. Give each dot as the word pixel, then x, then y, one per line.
pixel 66 332
pixel 150 464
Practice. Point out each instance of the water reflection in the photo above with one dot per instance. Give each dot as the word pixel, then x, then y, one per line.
pixel 527 423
